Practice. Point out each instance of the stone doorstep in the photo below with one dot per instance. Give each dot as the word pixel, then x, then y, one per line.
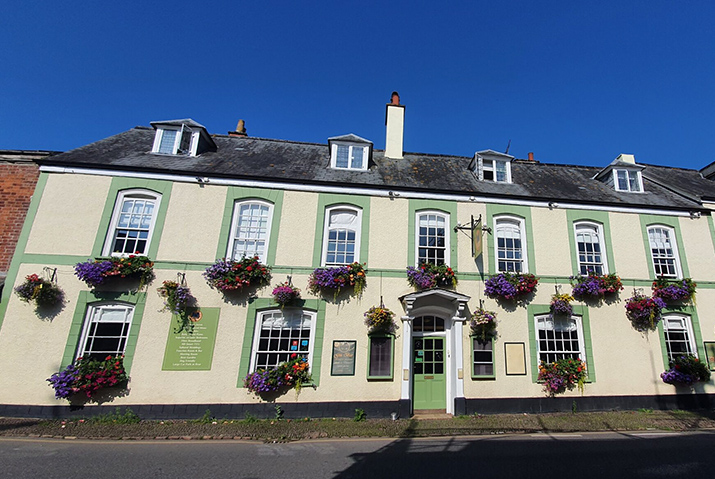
pixel 431 414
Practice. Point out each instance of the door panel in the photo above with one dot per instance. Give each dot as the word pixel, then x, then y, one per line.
pixel 428 369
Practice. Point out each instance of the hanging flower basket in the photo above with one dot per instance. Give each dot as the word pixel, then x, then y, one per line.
pixel 644 312
pixel 87 376
pixel 226 275
pixel 685 370
pixel 177 300
pixel 595 286
pixel 290 374
pixel 483 324
pixel 561 305
pixel 562 375
pixel 379 319
pixel 672 291
pixel 40 291
pixel 507 286
pixel 429 275
pixel 335 279
pixel 97 271
pixel 285 293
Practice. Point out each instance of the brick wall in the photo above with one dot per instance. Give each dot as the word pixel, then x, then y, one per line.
pixel 17 183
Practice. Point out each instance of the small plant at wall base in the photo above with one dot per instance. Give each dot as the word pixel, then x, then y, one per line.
pixel 379 319
pixel 685 370
pixel 509 286
pixel 87 376
pixel 561 305
pixel 226 275
pixel 644 312
pixel 40 291
pixel 285 293
pixel 429 275
pixel 290 374
pixel 337 278
pixel 97 271
pixel 483 324
pixel 595 286
pixel 561 375
pixel 674 290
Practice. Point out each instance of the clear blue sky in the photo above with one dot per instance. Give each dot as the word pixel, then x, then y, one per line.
pixel 573 81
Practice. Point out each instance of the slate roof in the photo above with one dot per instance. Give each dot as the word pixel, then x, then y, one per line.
pixel 309 163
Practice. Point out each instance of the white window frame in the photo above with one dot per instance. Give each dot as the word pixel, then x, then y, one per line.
pixel 486 164
pixel 672 238
pixel 261 315
pixel 521 224
pixel 176 149
pixel 684 325
pixel 447 230
pixel 629 173
pixel 94 315
pixel 326 232
pixel 113 224
pixel 234 225
pixel 598 227
pixel 351 148
pixel 578 321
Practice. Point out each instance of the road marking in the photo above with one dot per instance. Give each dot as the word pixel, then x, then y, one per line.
pixel 654 434
pixel 546 436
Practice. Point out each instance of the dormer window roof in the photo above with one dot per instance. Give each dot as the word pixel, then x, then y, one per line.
pixel 181 137
pixel 350 152
pixel 623 174
pixel 490 165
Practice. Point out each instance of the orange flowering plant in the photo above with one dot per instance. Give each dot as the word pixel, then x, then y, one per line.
pixel 337 278
pixel 290 374
pixel 562 374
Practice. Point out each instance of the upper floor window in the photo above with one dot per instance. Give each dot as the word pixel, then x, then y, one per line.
pixel 559 338
pixel 174 141
pixel 105 330
pixel 281 333
pixel 341 237
pixel 432 237
pixel 664 252
pixel 590 248
pixel 250 230
pixel 678 335
pixel 627 180
pixel 349 152
pixel 132 223
pixel 492 166
pixel 510 244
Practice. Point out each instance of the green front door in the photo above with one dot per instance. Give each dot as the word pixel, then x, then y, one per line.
pixel 430 386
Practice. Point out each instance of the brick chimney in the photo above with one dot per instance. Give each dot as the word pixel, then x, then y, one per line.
pixel 531 156
pixel 395 124
pixel 240 129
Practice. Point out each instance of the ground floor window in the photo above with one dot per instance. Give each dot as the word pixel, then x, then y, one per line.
pixel 380 356
pixel 280 334
pixel 482 358
pixel 559 338
pixel 105 330
pixel 678 335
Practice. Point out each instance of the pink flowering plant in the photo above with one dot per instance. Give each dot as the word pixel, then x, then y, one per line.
pixel 685 370
pixel 87 376
pixel 561 304
pixel 672 291
pixel 595 286
pixel 644 312
pixel 380 319
pixel 285 293
pixel 226 275
pixel 97 271
pixel 290 374
pixel 337 278
pixel 483 324
pixel 508 286
pixel 562 374
pixel 429 275
pixel 40 291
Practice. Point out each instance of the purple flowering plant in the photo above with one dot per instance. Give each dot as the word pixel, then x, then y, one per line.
pixel 177 300
pixel 674 290
pixel 429 275
pixel 644 312
pixel 562 374
pixel 336 278
pixel 97 271
pixel 509 286
pixel 685 370
pixel 561 304
pixel 40 291
pixel 226 275
pixel 285 293
pixel 290 374
pixel 595 286
pixel 380 319
pixel 88 375
pixel 483 324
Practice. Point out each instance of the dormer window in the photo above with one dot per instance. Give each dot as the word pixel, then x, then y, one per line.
pixel 490 165
pixel 623 174
pixel 349 152
pixel 181 137
pixel 627 180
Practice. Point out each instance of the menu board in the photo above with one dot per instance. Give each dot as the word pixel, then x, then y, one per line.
pixel 343 358
pixel 192 349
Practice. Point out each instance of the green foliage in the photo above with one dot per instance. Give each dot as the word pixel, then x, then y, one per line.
pixel 360 415
pixel 116 417
pixel 279 412
pixel 249 418
pixel 207 418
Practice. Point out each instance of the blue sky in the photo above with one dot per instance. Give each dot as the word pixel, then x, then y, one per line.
pixel 574 82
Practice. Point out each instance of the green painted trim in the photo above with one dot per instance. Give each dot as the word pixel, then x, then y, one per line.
pixel 326 200
pixel 523 212
pixel 494 360
pixel 601 217
pixel 578 310
pixel 121 183
pixel 392 357
pixel 261 304
pixel 17 258
pixel 417 206
pixel 672 222
pixel 686 310
pixel 711 225
pixel 241 193
pixel 86 298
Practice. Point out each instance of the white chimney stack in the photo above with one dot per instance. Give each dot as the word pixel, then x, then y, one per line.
pixel 625 158
pixel 395 123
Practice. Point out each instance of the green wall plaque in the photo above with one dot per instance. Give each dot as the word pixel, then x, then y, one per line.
pixel 192 350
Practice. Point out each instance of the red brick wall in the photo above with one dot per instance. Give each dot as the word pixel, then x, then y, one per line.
pixel 17 183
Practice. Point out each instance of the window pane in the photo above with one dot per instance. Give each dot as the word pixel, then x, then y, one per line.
pixel 357 157
pixel 341 160
pixel 509 246
pixel 168 138
pixel 282 333
pixel 431 239
pixel 380 356
pixel 251 230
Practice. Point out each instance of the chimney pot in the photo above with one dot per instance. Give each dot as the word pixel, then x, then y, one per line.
pixel 240 129
pixel 531 156
pixel 395 98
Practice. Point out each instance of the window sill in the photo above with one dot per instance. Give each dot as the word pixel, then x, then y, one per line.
pixel 481 378
pixel 380 378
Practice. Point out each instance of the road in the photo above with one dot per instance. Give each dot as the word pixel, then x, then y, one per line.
pixel 603 455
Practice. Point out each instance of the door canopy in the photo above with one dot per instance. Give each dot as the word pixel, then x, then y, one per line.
pixel 438 302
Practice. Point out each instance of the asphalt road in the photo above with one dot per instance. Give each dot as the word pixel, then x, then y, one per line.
pixel 603 455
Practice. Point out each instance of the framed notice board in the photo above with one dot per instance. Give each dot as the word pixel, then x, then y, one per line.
pixel 343 358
